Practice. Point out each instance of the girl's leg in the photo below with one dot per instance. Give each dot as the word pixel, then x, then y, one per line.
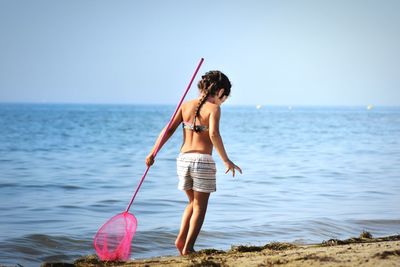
pixel 187 214
pixel 200 202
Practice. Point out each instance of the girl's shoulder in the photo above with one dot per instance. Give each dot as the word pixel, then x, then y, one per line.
pixel 207 106
pixel 212 107
pixel 189 103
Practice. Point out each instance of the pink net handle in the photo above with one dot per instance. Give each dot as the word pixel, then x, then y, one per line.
pixel 165 132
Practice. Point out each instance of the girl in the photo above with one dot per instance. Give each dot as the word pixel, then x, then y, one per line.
pixel 195 165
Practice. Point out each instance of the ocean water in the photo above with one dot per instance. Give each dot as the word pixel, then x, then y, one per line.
pixel 309 174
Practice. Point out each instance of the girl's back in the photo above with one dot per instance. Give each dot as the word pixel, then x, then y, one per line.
pixel 200 141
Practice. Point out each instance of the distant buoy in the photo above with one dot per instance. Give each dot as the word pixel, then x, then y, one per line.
pixel 258 106
pixel 369 107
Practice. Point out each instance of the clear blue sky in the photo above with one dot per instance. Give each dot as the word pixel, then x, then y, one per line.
pixel 275 52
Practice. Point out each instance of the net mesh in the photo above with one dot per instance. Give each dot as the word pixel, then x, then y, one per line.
pixel 113 240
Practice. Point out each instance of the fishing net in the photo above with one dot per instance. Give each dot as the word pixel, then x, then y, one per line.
pixel 113 241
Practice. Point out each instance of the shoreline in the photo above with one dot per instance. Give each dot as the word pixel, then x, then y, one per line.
pixel 364 250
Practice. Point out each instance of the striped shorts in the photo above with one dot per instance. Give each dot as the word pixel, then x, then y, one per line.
pixel 197 172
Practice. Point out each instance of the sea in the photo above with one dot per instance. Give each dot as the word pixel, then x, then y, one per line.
pixel 310 173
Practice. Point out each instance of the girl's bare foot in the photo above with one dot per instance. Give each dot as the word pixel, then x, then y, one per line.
pixel 179 244
pixel 187 252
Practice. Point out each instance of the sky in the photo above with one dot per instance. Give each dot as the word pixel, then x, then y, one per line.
pixel 144 52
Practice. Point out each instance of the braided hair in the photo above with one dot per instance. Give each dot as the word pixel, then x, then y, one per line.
pixel 209 85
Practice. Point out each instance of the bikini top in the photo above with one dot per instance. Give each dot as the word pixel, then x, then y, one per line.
pixel 192 126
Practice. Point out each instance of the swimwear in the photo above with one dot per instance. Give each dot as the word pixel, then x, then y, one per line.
pixel 191 126
pixel 196 171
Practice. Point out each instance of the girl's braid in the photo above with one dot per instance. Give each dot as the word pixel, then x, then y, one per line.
pixel 201 102
pixel 208 86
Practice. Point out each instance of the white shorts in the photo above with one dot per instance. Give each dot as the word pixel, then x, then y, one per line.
pixel 197 172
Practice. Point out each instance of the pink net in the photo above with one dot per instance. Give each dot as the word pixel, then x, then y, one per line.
pixel 113 241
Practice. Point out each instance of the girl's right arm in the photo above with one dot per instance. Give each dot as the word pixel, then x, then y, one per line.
pixel 160 142
pixel 216 139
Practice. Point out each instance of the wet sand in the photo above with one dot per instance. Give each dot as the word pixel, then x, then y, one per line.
pixel 361 251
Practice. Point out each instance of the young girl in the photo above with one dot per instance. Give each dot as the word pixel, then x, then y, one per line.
pixel 195 165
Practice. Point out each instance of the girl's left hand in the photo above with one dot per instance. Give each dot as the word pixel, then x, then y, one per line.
pixel 150 160
pixel 231 167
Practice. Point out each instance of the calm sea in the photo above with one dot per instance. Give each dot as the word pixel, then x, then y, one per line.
pixel 310 174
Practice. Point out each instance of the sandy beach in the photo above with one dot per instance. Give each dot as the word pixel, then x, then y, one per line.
pixel 360 251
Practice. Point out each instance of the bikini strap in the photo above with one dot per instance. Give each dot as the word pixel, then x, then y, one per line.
pixel 194 123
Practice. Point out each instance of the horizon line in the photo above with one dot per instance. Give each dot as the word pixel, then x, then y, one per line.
pixel 170 104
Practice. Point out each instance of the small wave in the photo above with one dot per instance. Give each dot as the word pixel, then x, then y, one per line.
pixel 6 185
pixel 46 186
pixel 72 187
pixel 110 201
pixel 381 222
pixel 71 207
pixel 6 160
pixel 37 248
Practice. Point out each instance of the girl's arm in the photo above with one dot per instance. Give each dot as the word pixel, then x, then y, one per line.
pixel 177 120
pixel 216 139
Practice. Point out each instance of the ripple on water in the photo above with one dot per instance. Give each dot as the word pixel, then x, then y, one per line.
pixel 37 248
